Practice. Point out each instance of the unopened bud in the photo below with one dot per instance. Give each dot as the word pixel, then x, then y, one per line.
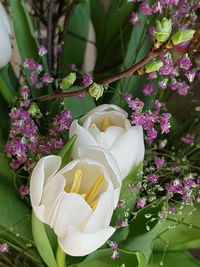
pixel 96 90
pixel 153 65
pixel 163 30
pixel 68 81
pixel 34 110
pixel 182 36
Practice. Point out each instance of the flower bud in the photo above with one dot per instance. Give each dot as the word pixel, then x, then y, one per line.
pixel 163 30
pixel 182 36
pixel 96 90
pixel 68 81
pixel 34 110
pixel 153 65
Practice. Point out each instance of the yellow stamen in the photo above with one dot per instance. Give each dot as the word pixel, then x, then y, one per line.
pixel 77 181
pixel 105 124
pixel 94 203
pixel 93 125
pixel 95 189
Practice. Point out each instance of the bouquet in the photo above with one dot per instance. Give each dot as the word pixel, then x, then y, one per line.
pixel 99 133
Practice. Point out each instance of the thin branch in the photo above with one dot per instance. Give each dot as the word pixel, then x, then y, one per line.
pixel 50 35
pixel 63 33
pixel 127 73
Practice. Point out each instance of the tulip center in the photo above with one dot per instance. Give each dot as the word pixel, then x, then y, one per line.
pixel 91 196
pixel 104 124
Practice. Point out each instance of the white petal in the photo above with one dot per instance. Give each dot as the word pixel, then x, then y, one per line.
pixel 4 19
pixel 111 134
pixel 76 243
pixel 46 167
pixel 83 138
pixel 102 215
pixel 105 107
pixel 72 210
pixel 104 157
pixel 5 46
pixel 128 150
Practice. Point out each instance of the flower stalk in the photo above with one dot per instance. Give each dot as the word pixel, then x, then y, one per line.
pixel 60 257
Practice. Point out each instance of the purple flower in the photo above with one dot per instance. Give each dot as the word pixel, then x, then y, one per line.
pixel 164 122
pixel 121 223
pixel 114 245
pixel 30 64
pixel 152 75
pixel 145 9
pixel 159 162
pixel 158 105
pixel 163 84
pixel 148 89
pixel 185 62
pixel 24 92
pixel 153 178
pixel 189 139
pixel 4 248
pixel 190 74
pixel 152 134
pixel 140 203
pixel 134 20
pixel 42 50
pixel 183 89
pixel 72 66
pixel 127 96
pixel 46 79
pixel 23 190
pixel 33 78
pixel 115 255
pixel 87 80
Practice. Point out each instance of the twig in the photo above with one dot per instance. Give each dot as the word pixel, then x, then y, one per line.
pixel 127 73
pixel 63 33
pixel 50 35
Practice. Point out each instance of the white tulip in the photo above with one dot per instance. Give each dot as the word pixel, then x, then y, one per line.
pixel 107 126
pixel 5 32
pixel 76 201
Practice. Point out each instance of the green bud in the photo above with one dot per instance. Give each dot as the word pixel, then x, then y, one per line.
pixel 182 36
pixel 163 30
pixel 96 90
pixel 34 110
pixel 68 81
pixel 153 65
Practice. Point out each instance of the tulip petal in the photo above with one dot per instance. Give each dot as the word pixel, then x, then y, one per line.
pixel 102 215
pixel 83 137
pixel 102 108
pixel 72 210
pixel 76 243
pixel 128 150
pixel 4 19
pixel 5 46
pixel 45 168
pixel 111 135
pixel 106 159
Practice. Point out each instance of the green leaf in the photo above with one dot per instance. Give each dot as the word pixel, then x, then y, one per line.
pixel 173 259
pixel 76 38
pixel 102 258
pixel 6 87
pixel 42 242
pixel 24 32
pixel 65 152
pixel 140 238
pixel 127 196
pixel 180 231
pixel 113 38
pixel 79 107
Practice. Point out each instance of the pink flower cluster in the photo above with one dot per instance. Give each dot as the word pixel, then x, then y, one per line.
pixel 149 120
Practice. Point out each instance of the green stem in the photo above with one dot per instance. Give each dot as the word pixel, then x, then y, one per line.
pixel 60 257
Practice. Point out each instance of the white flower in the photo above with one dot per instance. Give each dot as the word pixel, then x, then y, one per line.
pixel 77 202
pixel 5 32
pixel 107 126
